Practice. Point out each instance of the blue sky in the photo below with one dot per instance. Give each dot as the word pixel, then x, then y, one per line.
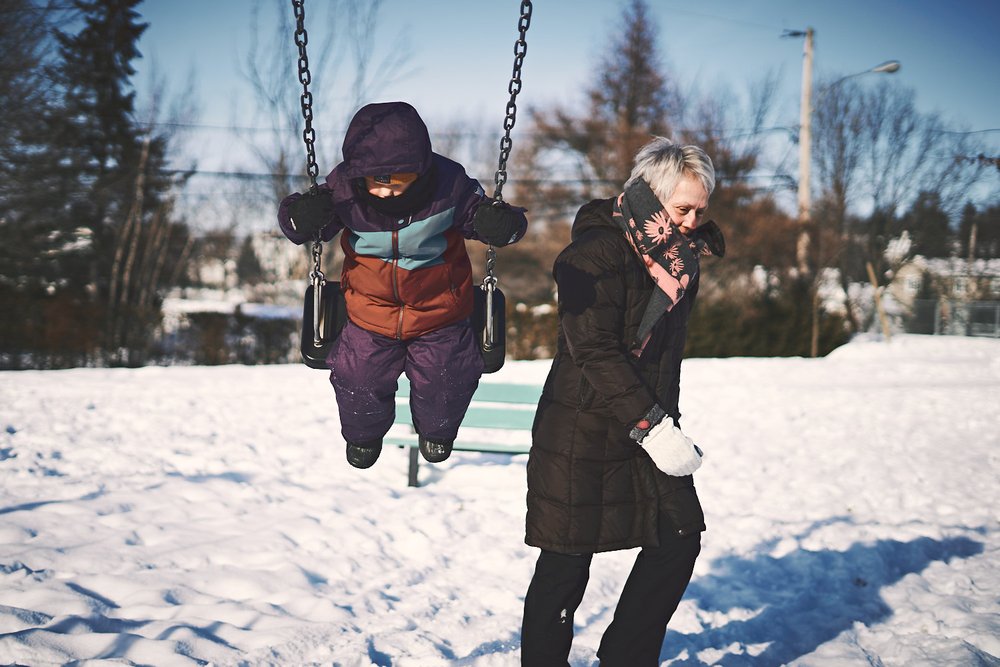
pixel 459 52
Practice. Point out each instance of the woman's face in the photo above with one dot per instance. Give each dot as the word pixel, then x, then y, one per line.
pixel 686 207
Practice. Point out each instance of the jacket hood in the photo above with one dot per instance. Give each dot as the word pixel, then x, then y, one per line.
pixel 386 138
pixel 592 215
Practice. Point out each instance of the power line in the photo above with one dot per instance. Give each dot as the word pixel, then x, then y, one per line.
pixel 296 130
pixel 991 129
pixel 265 176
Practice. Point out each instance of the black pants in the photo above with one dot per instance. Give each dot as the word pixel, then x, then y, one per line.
pixel 652 592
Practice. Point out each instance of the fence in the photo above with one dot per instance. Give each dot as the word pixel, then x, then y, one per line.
pixel 954 318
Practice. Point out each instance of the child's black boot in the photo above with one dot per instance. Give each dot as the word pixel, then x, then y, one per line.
pixel 435 451
pixel 364 454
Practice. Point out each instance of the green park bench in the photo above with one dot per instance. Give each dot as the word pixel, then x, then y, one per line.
pixel 498 421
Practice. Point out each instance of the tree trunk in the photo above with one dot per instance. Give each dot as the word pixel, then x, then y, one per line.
pixel 878 301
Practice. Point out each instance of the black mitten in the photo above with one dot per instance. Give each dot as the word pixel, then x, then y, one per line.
pixel 311 212
pixel 496 223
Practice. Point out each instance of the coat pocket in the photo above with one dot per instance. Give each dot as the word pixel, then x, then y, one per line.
pixel 684 511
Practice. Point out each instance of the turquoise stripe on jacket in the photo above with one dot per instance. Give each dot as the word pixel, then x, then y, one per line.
pixel 421 242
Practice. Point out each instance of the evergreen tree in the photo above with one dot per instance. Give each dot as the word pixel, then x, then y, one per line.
pixel 95 130
pixel 869 243
pixel 985 226
pixel 988 232
pixel 927 224
pixel 90 218
pixel 25 38
pixel 24 34
pixel 248 266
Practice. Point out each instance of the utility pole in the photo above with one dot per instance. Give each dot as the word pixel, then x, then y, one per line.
pixel 805 162
pixel 802 246
pixel 805 153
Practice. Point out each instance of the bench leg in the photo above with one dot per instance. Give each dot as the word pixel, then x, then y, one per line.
pixel 414 463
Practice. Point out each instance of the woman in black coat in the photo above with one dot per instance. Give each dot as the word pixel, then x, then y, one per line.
pixel 609 467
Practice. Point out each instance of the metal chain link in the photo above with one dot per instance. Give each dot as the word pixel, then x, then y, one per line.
pixel 490 279
pixel 520 49
pixel 306 99
pixel 317 275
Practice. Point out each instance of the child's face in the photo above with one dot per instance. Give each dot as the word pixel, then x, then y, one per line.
pixel 390 185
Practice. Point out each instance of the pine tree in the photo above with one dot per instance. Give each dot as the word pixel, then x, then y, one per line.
pixel 90 218
pixel 981 228
pixel 248 266
pixel 928 226
pixel 95 129
pixel 25 37
pixel 630 101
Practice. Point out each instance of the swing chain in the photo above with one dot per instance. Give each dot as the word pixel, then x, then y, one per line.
pixel 489 285
pixel 490 279
pixel 306 99
pixel 316 276
pixel 318 280
pixel 520 49
pixel 317 273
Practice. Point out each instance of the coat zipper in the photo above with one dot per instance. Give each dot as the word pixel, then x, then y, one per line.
pixel 395 278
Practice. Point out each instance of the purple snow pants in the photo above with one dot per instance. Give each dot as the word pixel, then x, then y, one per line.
pixel 443 367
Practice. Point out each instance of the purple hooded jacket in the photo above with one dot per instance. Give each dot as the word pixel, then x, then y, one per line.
pixel 406 270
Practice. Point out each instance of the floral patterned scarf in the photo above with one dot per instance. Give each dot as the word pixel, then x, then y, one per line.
pixel 670 257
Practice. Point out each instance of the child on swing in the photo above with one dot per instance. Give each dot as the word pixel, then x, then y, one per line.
pixel 407 280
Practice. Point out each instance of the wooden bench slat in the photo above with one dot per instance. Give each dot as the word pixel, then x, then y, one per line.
pixel 463 445
pixel 491 392
pixel 480 417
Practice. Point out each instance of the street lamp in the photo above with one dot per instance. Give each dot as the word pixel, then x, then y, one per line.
pixel 888 67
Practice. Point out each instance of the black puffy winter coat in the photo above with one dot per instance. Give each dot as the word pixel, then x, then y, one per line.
pixel 590 487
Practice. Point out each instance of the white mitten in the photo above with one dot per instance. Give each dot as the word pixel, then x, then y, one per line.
pixel 673 452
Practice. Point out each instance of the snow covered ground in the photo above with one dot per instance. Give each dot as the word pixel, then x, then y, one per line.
pixel 183 516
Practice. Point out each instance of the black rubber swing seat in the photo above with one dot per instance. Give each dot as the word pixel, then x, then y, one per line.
pixel 333 317
pixel 493 357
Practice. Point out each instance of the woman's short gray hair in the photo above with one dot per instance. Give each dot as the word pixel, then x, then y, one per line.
pixel 662 164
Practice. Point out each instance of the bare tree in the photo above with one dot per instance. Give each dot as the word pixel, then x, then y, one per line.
pixel 873 147
pixel 473 142
pixel 908 152
pixel 732 130
pixel 342 39
pixel 152 241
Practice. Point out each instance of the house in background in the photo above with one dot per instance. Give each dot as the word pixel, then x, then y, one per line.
pixel 242 304
pixel 949 296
